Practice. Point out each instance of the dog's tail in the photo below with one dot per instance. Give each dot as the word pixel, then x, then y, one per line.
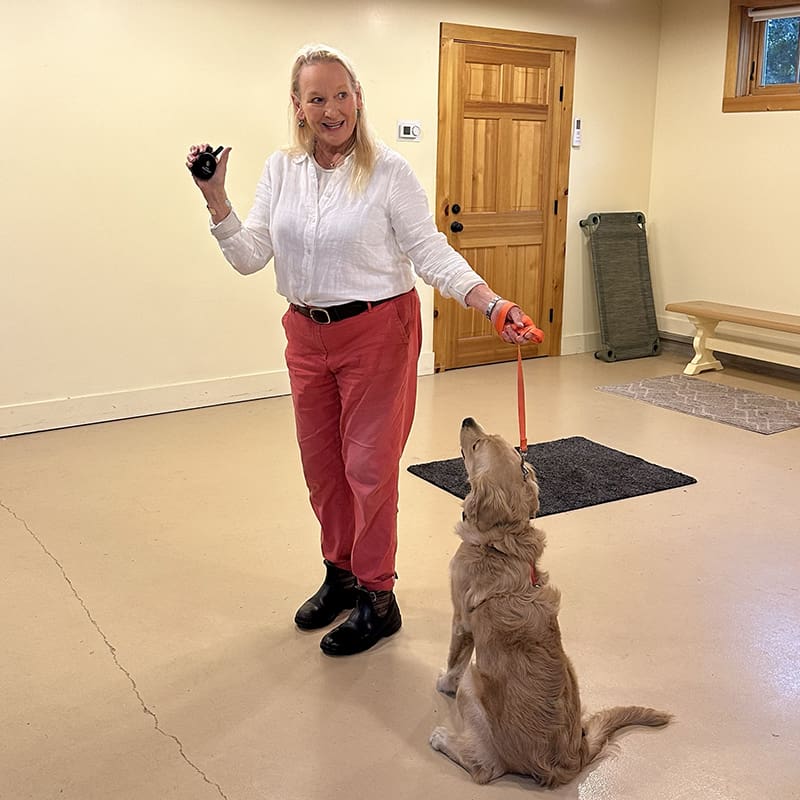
pixel 598 728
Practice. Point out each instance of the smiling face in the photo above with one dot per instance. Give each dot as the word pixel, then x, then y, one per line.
pixel 328 102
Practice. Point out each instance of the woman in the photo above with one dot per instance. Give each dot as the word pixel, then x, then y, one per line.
pixel 348 225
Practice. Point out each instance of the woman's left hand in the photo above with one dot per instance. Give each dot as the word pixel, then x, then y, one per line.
pixel 512 324
pixel 519 327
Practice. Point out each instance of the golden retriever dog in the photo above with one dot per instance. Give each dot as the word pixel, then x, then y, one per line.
pixel 518 704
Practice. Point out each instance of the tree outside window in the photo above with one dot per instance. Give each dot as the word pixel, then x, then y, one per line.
pixel 780 51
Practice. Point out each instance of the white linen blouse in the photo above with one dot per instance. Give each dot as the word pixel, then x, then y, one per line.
pixel 331 246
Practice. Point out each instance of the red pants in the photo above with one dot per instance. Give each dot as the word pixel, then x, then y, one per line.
pixel 354 387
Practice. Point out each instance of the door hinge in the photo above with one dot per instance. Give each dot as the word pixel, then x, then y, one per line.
pixel 555 207
pixel 551 315
pixel 560 94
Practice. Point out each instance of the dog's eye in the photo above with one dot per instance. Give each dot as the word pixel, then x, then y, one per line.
pixel 475 445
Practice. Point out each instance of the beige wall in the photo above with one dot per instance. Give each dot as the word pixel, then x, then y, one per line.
pixel 115 300
pixel 725 202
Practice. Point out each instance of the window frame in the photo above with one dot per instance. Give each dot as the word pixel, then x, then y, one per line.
pixel 745 49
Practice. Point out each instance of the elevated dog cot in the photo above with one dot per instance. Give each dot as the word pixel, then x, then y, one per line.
pixel 618 245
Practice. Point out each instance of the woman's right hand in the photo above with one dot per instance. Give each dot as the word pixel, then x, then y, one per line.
pixel 216 183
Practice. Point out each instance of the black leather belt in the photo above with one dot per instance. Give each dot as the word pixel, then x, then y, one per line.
pixel 324 316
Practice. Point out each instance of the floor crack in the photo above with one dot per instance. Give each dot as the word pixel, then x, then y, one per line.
pixel 113 651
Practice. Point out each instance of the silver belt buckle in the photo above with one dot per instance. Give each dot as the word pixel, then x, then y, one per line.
pixel 320 316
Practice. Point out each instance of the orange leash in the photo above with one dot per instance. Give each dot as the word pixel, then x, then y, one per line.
pixel 526 326
pixel 523 434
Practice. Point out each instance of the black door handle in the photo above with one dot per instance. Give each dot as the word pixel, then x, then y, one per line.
pixel 456 227
pixel 456 208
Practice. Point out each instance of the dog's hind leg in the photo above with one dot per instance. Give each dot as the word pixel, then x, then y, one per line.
pixel 444 741
pixel 461 647
pixel 457 748
pixel 471 748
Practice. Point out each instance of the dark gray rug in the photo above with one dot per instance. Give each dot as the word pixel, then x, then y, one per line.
pixel 572 473
pixel 753 411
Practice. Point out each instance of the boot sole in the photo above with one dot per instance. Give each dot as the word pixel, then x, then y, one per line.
pixel 315 626
pixel 393 628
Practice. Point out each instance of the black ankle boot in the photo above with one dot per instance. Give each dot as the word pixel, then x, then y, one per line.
pixel 364 627
pixel 337 594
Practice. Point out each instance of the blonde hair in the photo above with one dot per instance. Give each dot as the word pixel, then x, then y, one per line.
pixel 365 147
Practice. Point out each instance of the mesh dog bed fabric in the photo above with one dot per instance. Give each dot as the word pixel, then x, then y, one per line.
pixel 618 245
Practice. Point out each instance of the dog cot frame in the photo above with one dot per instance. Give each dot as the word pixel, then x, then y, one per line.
pixel 618 246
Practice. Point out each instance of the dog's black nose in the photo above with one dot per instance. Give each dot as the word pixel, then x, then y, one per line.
pixel 468 423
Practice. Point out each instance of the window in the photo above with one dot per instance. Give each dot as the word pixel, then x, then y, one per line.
pixel 762 69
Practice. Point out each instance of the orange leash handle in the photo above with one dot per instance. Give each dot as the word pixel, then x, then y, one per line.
pixel 526 326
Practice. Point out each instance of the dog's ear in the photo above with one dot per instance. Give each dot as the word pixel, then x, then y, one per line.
pixel 529 478
pixel 489 504
pixel 475 503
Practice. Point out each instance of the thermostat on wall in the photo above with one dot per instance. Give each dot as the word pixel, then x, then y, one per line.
pixel 577 133
pixel 409 131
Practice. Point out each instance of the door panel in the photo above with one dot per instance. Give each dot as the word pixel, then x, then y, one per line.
pixel 479 176
pixel 527 140
pixel 503 161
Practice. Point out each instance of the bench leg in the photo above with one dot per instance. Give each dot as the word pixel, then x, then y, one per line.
pixel 704 358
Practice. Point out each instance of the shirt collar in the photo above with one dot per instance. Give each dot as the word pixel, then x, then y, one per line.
pixel 299 158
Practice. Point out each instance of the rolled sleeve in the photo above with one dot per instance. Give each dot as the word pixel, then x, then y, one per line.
pixel 228 227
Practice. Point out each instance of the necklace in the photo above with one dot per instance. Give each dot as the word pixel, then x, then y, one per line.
pixel 336 159
pixel 328 162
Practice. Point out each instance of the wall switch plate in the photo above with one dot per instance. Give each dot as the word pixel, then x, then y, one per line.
pixel 409 131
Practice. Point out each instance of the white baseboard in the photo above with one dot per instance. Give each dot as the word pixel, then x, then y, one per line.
pixel 67 412
pixel 427 363
pixel 589 342
pixel 580 343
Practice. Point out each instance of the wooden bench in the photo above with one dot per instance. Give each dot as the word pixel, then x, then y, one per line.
pixel 706 316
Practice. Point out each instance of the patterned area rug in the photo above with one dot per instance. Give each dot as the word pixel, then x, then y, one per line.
pixel 572 473
pixel 753 411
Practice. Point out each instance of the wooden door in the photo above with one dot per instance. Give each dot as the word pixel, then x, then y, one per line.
pixel 505 116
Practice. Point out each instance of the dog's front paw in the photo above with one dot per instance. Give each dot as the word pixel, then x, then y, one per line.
pixel 447 683
pixel 438 739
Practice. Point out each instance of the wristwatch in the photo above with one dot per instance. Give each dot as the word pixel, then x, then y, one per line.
pixel 492 303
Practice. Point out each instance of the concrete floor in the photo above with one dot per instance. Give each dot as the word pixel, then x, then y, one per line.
pixel 151 568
